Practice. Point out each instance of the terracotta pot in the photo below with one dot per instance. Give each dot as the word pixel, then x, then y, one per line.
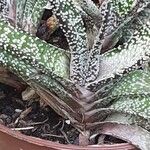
pixel 12 140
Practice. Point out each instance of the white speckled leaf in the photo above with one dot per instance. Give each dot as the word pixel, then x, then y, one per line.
pixel 138 106
pixel 33 48
pixel 73 27
pixel 129 57
pixel 123 6
pixel 46 69
pixel 33 11
pixel 36 63
pixel 131 54
pixel 108 24
pixel 135 83
pixel 24 13
pixel 92 10
pixel 132 94
pixel 3 8
pixel 20 5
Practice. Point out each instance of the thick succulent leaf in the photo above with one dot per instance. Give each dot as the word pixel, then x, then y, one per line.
pixel 8 10
pixel 45 68
pixel 114 17
pixel 136 83
pixel 20 7
pixel 141 17
pixel 39 55
pixel 32 14
pixel 116 11
pixel 129 96
pixel 128 120
pixel 121 126
pixel 92 10
pixel 129 57
pixel 131 106
pixel 3 8
pixel 122 25
pixel 91 30
pixel 34 48
pixel 123 7
pixel 89 22
pixel 28 7
pixel 109 34
pixel 138 106
pixel 87 19
pixel 130 133
pixel 129 28
pixel 110 19
pixel 40 83
pixel 29 62
pixel 126 23
pixel 109 23
pixel 26 13
pixel 132 94
pixel 73 27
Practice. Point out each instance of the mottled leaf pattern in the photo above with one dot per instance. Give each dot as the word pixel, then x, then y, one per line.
pixel 37 50
pixel 138 106
pixel 32 14
pixel 112 26
pixel 132 94
pixel 92 10
pixel 20 5
pixel 109 21
pixel 3 8
pixel 33 67
pixel 132 54
pixel 74 30
pixel 135 83
pixel 123 6
pixel 84 85
pixel 27 13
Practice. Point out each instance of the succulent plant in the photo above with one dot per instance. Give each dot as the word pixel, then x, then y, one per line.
pixel 93 89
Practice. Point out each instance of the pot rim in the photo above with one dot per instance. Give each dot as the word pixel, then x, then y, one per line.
pixel 50 144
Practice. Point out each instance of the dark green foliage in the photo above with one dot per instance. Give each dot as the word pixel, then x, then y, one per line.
pixel 85 85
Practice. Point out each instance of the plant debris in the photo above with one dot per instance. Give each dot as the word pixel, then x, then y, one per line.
pixel 20 115
pixel 44 123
